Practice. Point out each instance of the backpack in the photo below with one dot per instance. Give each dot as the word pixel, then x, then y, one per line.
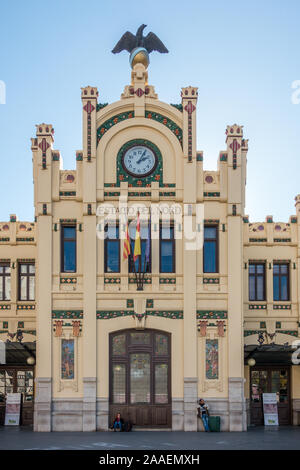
pixel 127 426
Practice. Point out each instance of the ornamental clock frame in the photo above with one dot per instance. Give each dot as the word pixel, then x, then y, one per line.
pixel 139 160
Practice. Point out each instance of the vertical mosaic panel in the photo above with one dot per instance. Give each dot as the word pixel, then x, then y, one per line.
pixel 212 359
pixel 161 344
pixel 119 345
pixel 67 359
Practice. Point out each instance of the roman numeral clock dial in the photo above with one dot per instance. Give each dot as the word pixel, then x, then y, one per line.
pixel 139 161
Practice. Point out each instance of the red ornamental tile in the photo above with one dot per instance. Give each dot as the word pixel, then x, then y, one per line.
pixel 235 146
pixel 139 92
pixel 190 108
pixel 89 107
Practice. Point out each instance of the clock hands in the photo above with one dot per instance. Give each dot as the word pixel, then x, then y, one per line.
pixel 141 159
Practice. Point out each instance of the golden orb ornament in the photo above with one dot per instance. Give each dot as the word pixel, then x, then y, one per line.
pixel 139 55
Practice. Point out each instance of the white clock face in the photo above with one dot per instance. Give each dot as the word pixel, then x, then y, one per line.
pixel 139 160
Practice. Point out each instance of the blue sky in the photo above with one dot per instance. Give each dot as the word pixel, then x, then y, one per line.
pixel 243 56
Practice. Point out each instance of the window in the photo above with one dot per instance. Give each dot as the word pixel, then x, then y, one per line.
pixel 26 281
pixel 4 281
pixel 257 281
pixel 140 263
pixel 166 249
pixel 281 281
pixel 210 249
pixel 111 249
pixel 68 249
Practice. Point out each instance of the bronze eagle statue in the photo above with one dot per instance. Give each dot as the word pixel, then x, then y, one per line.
pixel 129 41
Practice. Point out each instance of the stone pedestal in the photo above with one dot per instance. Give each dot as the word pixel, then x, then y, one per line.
pixel 236 404
pixel 89 404
pixel 42 404
pixel 177 414
pixel 190 403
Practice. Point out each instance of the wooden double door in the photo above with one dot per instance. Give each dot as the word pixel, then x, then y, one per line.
pixel 17 379
pixel 140 377
pixel 266 379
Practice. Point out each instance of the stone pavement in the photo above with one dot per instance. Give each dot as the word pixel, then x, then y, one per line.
pixel 257 438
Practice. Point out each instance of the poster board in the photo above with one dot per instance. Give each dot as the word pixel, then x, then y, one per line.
pixel 12 409
pixel 270 409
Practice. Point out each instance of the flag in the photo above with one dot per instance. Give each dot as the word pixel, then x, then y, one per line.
pixel 137 243
pixel 148 243
pixel 126 246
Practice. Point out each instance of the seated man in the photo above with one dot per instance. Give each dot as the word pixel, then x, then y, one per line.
pixel 118 423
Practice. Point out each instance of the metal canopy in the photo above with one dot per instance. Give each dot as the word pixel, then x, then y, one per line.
pixel 269 354
pixel 17 353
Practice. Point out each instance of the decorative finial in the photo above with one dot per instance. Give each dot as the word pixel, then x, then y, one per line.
pixel 139 46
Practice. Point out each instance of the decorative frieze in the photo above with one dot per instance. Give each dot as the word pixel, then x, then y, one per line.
pixel 167 280
pixel 108 314
pixel 65 314
pixel 112 194
pixel 257 307
pixel 172 314
pixel 4 239
pixel 67 193
pixel 166 122
pixel 112 122
pixel 68 280
pixel 211 314
pixel 25 307
pixel 209 194
pixel 101 106
pixel 211 280
pixel 28 239
pixel 282 240
pixel 112 280
pixel 4 307
pixel 147 280
pixel 282 307
pixel 257 240
pixel 168 194
pixel 139 194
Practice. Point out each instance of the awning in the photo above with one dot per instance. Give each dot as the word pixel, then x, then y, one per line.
pixel 18 353
pixel 269 354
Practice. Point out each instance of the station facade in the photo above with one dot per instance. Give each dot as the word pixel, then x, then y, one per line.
pixel 70 300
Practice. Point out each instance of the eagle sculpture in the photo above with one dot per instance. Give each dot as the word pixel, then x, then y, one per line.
pixel 129 41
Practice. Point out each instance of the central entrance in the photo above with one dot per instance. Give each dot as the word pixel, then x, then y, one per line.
pixel 140 377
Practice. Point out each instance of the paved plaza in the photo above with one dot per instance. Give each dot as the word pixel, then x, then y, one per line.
pixel 257 438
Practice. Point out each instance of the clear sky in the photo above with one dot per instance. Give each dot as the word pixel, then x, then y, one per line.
pixel 243 56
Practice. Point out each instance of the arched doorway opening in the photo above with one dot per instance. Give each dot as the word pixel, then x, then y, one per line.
pixel 140 377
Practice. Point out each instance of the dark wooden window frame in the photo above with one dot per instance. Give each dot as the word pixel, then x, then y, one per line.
pixel 3 276
pixel 257 275
pixel 216 240
pixel 27 275
pixel 173 240
pixel 280 275
pixel 62 239
pixel 117 241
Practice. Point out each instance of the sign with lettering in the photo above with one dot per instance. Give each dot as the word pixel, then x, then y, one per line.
pixel 12 409
pixel 270 409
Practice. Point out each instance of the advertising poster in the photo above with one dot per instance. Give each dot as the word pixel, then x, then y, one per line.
pixel 270 409
pixel 12 409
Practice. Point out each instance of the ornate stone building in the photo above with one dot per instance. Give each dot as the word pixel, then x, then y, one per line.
pixel 104 346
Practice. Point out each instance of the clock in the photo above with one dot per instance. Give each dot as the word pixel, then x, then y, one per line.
pixel 139 160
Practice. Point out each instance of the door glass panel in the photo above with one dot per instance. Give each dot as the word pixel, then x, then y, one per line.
pixel 119 383
pixel 259 384
pixel 28 386
pixel 283 390
pixel 161 344
pixel 9 378
pixel 140 338
pixel 118 345
pixel 161 383
pixel 140 378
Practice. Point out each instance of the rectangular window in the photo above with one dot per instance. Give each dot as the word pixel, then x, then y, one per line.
pixel 68 248
pixel 210 249
pixel 281 282
pixel 4 281
pixel 166 249
pixel 140 262
pixel 111 249
pixel 26 281
pixel 257 281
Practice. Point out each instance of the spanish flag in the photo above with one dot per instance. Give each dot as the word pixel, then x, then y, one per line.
pixel 126 246
pixel 137 243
